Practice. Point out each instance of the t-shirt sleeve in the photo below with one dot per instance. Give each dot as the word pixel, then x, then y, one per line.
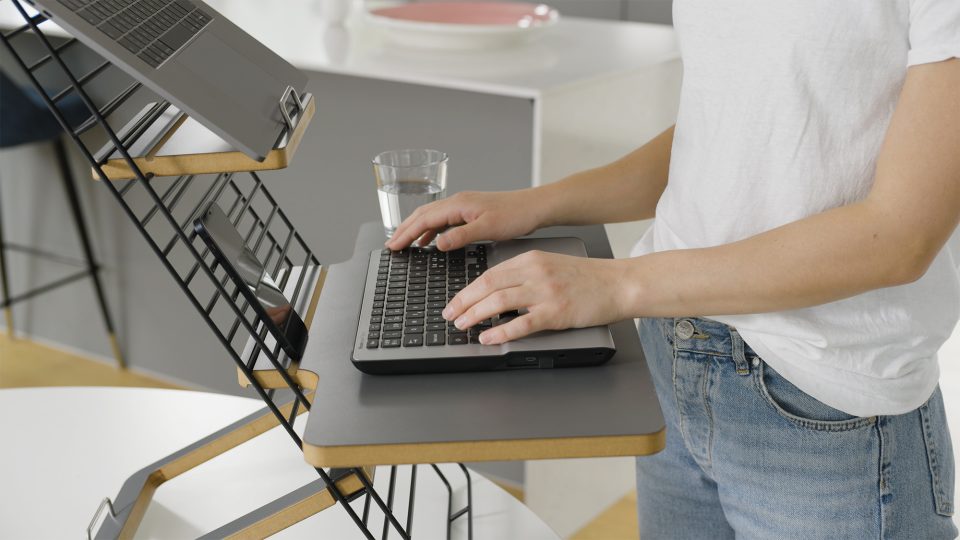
pixel 934 31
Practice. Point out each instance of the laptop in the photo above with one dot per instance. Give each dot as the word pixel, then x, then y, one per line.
pixel 399 328
pixel 193 57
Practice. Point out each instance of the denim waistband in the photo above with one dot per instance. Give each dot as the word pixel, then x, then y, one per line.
pixel 706 336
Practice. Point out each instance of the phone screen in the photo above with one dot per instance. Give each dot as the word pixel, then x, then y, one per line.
pixel 242 266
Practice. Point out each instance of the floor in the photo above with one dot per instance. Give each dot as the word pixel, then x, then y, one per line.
pixel 24 363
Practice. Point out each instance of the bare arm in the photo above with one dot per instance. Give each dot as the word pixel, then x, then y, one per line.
pixel 889 238
pixel 626 190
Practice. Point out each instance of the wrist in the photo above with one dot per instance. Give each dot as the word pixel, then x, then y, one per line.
pixel 547 205
pixel 630 288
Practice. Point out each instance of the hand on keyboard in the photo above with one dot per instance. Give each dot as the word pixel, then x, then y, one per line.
pixel 473 217
pixel 557 292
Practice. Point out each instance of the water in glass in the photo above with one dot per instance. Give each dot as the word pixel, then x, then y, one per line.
pixel 400 199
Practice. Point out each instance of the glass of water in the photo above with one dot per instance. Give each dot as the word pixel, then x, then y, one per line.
pixel 407 179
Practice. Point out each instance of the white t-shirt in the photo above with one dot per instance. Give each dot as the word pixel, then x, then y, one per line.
pixel 783 110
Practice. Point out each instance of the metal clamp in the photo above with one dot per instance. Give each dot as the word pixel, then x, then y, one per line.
pixel 105 503
pixel 290 91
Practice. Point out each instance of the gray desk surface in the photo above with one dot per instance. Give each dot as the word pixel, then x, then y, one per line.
pixel 360 419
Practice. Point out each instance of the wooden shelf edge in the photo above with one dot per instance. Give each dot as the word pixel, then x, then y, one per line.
pixel 525 449
pixel 209 163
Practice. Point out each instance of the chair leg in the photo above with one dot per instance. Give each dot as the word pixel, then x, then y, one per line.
pixel 76 210
pixel 4 283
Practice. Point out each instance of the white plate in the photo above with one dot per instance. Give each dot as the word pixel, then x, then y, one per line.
pixel 462 25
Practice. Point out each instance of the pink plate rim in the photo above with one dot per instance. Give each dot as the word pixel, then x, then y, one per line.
pixel 476 14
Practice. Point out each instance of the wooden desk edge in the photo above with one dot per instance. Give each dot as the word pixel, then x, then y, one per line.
pixel 523 449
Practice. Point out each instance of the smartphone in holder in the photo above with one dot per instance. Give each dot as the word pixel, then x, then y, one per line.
pixel 272 308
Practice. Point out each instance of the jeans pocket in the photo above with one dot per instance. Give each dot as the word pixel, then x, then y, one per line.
pixel 936 436
pixel 800 408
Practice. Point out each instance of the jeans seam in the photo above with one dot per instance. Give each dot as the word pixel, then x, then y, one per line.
pixel 815 425
pixel 942 507
pixel 882 485
pixel 705 395
pixel 676 397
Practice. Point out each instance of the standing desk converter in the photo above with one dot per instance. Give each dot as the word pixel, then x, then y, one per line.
pixel 360 419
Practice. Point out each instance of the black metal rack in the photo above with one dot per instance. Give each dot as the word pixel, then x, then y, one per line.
pixel 163 209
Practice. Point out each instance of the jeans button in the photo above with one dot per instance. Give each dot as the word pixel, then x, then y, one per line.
pixel 685 329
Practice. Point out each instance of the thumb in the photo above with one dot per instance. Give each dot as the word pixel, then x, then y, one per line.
pixel 457 237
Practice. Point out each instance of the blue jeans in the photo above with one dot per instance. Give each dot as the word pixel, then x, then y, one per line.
pixel 749 455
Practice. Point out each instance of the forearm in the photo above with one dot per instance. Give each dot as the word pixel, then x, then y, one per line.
pixel 823 258
pixel 625 190
pixel 890 238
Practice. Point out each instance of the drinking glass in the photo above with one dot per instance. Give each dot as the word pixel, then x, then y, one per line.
pixel 407 179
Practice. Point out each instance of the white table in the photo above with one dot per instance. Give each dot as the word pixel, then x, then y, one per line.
pixel 65 449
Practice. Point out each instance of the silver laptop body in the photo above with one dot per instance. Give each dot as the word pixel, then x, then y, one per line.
pixel 193 57
pixel 548 349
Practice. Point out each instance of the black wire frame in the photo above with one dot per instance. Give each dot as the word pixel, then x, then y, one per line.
pixel 159 210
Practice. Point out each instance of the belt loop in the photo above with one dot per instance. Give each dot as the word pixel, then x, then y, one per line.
pixel 743 367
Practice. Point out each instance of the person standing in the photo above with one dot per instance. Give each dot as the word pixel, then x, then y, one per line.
pixel 799 277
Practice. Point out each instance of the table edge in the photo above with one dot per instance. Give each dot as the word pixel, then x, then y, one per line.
pixel 495 450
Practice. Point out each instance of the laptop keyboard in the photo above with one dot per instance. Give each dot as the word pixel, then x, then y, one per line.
pixel 413 286
pixel 151 29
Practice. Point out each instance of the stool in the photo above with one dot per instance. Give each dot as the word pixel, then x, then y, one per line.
pixel 25 119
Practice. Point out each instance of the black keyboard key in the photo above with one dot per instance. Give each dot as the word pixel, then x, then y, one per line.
pixel 390 343
pixel 457 339
pixel 415 300
pixel 376 314
pixel 391 335
pixel 373 335
pixel 415 314
pixel 177 36
pixel 413 341
pixel 395 298
pixel 436 327
pixel 375 327
pixel 391 312
pixel 436 298
pixel 111 30
pixel 413 330
pixel 392 305
pixel 393 319
pixel 435 338
pixel 90 16
pixel 373 343
pixel 393 327
pixel 436 305
pixel 416 294
pixel 436 319
pixel 129 45
pixel 149 59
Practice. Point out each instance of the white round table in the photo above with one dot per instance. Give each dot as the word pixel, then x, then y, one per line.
pixel 64 449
